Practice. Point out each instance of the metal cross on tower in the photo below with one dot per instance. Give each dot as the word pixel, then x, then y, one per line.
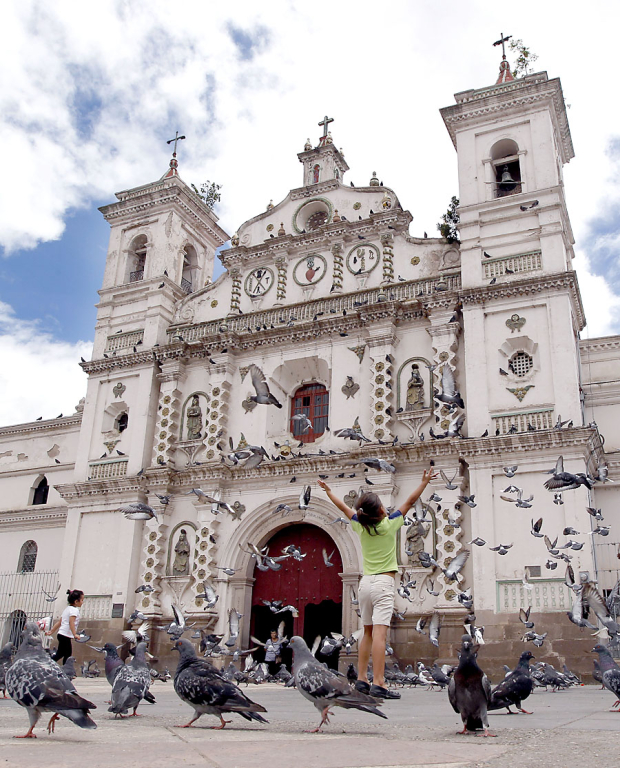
pixel 502 40
pixel 325 122
pixel 176 139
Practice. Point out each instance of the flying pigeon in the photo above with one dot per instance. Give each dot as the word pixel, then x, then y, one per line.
pixel 515 687
pixel 304 497
pixel 511 471
pixel 131 684
pixel 352 434
pixel 524 617
pixel 324 688
pixel 51 598
pixel 379 464
pixel 146 588
pixel 303 421
pixel 536 526
pixel 138 511
pixel 208 595
pixel 469 690
pixel 39 685
pixel 434 629
pixel 449 393
pixel 451 573
pixel 199 684
pixel 566 481
pixel 469 500
pixel 449 481
pixel 327 559
pixel 263 395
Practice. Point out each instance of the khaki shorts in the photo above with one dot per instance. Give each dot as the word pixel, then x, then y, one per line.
pixel 376 598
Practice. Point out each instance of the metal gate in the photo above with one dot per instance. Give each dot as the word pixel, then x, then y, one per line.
pixel 22 599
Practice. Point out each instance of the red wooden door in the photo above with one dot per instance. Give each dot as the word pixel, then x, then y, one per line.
pixel 312 587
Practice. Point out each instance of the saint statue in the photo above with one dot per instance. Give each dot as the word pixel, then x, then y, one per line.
pixel 180 566
pixel 415 390
pixel 416 533
pixel 194 420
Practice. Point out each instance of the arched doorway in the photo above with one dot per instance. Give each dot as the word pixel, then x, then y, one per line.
pixel 312 587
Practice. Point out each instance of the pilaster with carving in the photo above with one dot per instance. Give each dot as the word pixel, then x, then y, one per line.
pixel 153 562
pixel 168 411
pixel 387 241
pixel 220 388
pixel 205 558
pixel 281 264
pixel 338 267
pixel 235 290
pixel 381 352
pixel 445 340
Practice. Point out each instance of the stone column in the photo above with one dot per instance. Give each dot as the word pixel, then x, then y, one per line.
pixel 168 411
pixel 281 264
pixel 337 269
pixel 381 343
pixel 445 338
pixel 387 241
pixel 153 562
pixel 235 291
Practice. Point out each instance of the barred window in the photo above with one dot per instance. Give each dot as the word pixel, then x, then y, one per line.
pixel 521 364
pixel 311 400
pixel 28 557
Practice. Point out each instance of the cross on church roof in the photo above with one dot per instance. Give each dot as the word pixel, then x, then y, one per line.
pixel 176 139
pixel 501 42
pixel 325 122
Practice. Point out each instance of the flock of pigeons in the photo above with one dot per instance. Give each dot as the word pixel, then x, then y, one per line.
pixel 38 684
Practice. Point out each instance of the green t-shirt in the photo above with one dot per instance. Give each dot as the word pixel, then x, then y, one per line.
pixel 379 549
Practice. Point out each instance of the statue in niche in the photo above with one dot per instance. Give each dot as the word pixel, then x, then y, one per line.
pixel 182 549
pixel 416 533
pixel 194 420
pixel 415 390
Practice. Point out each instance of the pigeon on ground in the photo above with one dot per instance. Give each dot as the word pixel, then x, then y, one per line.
pixel 37 683
pixel 263 396
pixel 69 668
pixel 199 684
pixel 566 481
pixel 515 687
pixel 469 690
pixel 131 684
pixel 6 659
pixel 113 661
pixel 138 511
pixel 324 688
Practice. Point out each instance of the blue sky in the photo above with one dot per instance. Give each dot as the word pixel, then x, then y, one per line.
pixel 95 90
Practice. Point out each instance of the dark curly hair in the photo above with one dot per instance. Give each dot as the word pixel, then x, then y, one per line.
pixel 74 595
pixel 370 512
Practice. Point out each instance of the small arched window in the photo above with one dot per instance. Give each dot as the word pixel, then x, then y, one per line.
pixel 27 557
pixel 507 168
pixel 137 259
pixel 122 422
pixel 41 492
pixel 190 266
pixel 316 171
pixel 312 401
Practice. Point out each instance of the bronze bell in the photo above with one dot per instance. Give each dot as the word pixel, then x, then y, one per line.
pixel 506 177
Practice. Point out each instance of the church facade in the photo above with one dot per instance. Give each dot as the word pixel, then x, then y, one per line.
pixel 354 323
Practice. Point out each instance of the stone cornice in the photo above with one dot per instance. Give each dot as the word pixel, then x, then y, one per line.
pixel 514 96
pixel 318 239
pixel 66 423
pixel 600 344
pixel 39 516
pixel 566 281
pixel 120 362
pixel 125 486
pixel 162 194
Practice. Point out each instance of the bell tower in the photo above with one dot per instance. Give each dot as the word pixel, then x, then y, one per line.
pixel 521 306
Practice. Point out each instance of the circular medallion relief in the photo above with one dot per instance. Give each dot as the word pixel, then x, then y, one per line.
pixel 312 214
pixel 362 259
pixel 258 282
pixel 310 269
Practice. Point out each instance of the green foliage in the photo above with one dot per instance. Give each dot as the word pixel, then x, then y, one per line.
pixel 448 226
pixel 525 58
pixel 209 193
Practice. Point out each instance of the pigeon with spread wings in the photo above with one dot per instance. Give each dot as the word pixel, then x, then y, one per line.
pixel 263 396
pixel 449 393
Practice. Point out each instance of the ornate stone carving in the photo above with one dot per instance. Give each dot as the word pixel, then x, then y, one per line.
pixel 235 290
pixel 281 266
pixel 387 241
pixel 515 323
pixel 182 549
pixel 337 268
pixel 118 389
pixel 520 392
pixel 414 399
pixel 359 351
pixel 350 387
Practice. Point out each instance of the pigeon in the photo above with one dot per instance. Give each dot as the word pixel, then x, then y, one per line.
pixel 449 481
pixel 419 627
pixel 39 685
pixel 202 686
pixel 327 559
pixel 511 471
pixel 227 571
pixel 595 602
pixel 469 500
pixel 6 659
pixel 524 616
pixel 138 511
pixel 536 526
pixel 324 688
pixel 208 595
pixel 469 690
pixel 69 668
pixel 451 573
pixel 477 541
pixel 263 395
pixel 146 588
pixel 434 629
pixel 303 421
pixel 113 661
pixel 131 683
pixel 515 687
pixel 449 394
pixel 282 508
pixel 566 481
pixel 49 598
pixel 304 497
pixel 351 433
pixel 595 513
pixel 379 464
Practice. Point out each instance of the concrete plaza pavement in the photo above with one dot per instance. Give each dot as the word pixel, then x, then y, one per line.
pixel 568 728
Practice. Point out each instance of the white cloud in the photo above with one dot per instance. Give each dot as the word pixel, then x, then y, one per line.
pixel 39 376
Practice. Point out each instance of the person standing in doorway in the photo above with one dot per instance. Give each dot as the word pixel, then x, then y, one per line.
pixel 67 625
pixel 377 531
pixel 273 649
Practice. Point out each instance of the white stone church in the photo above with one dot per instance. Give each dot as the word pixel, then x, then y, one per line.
pixel 356 323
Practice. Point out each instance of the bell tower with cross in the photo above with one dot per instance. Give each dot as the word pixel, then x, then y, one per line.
pixel 323 163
